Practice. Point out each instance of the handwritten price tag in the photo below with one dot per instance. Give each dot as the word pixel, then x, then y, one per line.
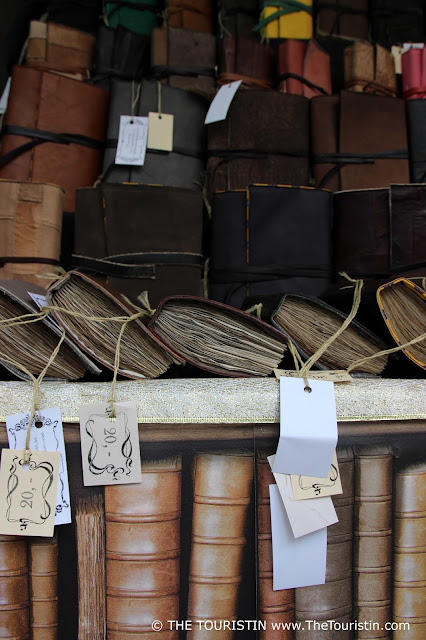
pixel 28 492
pixel 110 446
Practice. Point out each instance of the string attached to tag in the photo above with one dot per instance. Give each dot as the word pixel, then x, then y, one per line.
pixel 135 98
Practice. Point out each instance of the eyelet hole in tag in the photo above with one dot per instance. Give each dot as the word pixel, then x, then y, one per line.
pixel 160 131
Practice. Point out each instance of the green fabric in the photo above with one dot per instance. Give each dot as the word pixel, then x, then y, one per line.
pixel 284 8
pixel 140 19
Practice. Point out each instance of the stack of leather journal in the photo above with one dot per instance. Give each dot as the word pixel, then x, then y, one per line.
pixel 245 59
pixel 218 338
pixel 370 69
pixel 33 343
pixel 142 355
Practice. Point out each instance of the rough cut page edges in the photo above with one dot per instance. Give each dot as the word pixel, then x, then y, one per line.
pixel 308 427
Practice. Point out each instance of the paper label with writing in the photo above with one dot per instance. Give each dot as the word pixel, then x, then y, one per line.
pixel 297 562
pixel 160 131
pixel 110 446
pixel 132 138
pixel 305 487
pixel 5 96
pixel 48 435
pixel 28 492
pixel 220 104
pixel 332 376
pixel 305 516
pixel 308 427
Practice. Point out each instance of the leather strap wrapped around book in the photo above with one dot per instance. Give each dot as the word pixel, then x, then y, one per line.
pixel 296 76
pixel 284 7
pixel 166 70
pixel 136 265
pixel 266 272
pixel 26 260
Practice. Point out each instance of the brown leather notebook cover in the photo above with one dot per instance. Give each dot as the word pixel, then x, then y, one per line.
pixel 274 606
pixel 346 18
pixel 142 551
pixel 63 122
pixel 246 59
pixel 370 69
pixel 333 600
pixel 359 141
pixel 190 14
pixel 30 227
pixel 304 68
pixel 43 579
pixel 373 539
pixel 409 587
pixel 14 598
pixel 222 486
pixel 54 46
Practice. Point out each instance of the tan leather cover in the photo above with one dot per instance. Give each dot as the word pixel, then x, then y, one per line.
pixel 142 550
pixel 370 69
pixel 56 47
pixel 222 484
pixel 30 226
pixel 190 14
pixel 14 603
pixel 56 104
pixel 43 578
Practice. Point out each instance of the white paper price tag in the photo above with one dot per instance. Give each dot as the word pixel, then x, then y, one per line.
pixel 5 97
pixel 220 104
pixel 132 139
pixel 49 436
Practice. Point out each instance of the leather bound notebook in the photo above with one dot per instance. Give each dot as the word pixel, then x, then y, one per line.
pixel 181 167
pixel 58 125
pixel 395 22
pixel 373 539
pixel 218 338
pixel 184 59
pixel 236 18
pixel 264 139
pixel 30 228
pixel 142 355
pixel 43 584
pixel 333 600
pixel 55 47
pixel 90 534
pixel 370 69
pixel 359 141
pixel 413 67
pixel 345 18
pixel 140 16
pixel 243 58
pixel 14 602
pixel 222 487
pixel 416 116
pixel 409 587
pixel 304 68
pixel 32 344
pixel 380 232
pixel 273 606
pixel 403 307
pixel 309 322
pixel 142 524
pixel 256 241
pixel 158 250
pixel 190 14
pixel 286 20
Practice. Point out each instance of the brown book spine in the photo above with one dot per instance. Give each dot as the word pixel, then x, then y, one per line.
pixel 143 553
pixel 333 600
pixel 222 485
pixel 274 606
pixel 409 588
pixel 373 540
pixel 90 530
pixel 43 579
pixel 14 597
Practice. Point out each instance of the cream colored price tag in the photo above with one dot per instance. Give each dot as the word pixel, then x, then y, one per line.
pixel 28 492
pixel 330 376
pixel 160 131
pixel 110 446
pixel 305 487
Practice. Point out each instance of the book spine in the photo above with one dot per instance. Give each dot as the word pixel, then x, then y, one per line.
pixel 143 553
pixel 275 607
pixel 409 588
pixel 332 600
pixel 222 487
pixel 14 594
pixel 43 580
pixel 373 541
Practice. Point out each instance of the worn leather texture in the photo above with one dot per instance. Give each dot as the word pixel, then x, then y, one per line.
pixel 159 220
pixel 370 69
pixel 368 134
pixel 264 139
pixel 190 14
pixel 378 232
pixel 14 598
pixel 278 220
pixel 246 59
pixel 309 62
pixel 416 115
pixel 394 22
pixel 181 167
pixel 347 18
pixel 43 584
pixel 413 67
pixel 237 18
pixel 56 104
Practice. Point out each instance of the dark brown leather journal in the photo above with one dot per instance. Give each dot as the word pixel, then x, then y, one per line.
pixel 245 59
pixel 236 18
pixel 190 14
pixel 346 18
